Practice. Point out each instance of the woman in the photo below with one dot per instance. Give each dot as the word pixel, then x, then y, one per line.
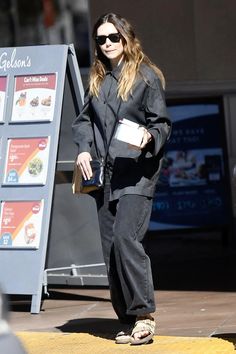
pixel 123 83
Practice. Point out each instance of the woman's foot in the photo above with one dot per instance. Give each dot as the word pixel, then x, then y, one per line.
pixel 143 330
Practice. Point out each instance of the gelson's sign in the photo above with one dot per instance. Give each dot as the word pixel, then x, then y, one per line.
pixel 12 62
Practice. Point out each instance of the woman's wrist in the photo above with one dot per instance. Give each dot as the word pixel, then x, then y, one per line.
pixel 149 136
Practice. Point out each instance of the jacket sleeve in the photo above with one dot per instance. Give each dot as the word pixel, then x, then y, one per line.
pixel 82 127
pixel 158 123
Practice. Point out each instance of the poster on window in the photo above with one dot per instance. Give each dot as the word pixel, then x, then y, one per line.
pixel 20 224
pixel 34 98
pixel 3 84
pixel 27 161
pixel 192 188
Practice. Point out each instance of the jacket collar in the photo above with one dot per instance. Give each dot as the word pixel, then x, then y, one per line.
pixel 116 71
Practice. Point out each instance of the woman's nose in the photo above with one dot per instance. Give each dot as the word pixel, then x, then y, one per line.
pixel 108 42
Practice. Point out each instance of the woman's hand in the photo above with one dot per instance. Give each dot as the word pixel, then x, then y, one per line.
pixel 83 161
pixel 147 137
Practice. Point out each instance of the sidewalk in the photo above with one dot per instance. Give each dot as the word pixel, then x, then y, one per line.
pixel 82 321
pixel 196 310
pixel 54 343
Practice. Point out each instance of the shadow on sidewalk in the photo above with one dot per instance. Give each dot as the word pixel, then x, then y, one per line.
pixel 22 303
pixel 99 327
pixel 230 337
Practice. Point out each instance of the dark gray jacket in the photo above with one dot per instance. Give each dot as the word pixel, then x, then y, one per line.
pixel 134 172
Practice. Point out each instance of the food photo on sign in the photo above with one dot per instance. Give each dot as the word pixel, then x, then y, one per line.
pixel 20 224
pixel 34 98
pixel 27 161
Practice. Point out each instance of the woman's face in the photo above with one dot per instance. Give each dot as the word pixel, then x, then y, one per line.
pixel 112 50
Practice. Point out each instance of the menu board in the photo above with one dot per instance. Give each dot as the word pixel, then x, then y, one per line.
pixel 35 85
pixel 27 161
pixel 20 224
pixel 34 98
pixel 3 84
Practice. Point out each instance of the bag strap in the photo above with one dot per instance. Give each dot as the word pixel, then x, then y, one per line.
pixel 113 130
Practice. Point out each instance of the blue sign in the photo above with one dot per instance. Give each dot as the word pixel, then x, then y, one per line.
pixel 192 190
pixel 6 239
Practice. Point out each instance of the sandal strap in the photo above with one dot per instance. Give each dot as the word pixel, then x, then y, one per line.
pixel 121 333
pixel 144 325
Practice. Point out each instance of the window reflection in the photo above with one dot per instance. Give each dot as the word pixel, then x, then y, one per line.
pixel 34 22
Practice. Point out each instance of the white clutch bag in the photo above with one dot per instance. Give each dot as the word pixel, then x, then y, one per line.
pixel 129 132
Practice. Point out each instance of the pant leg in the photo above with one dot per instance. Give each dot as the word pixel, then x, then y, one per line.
pixel 106 217
pixel 132 263
pixel 106 220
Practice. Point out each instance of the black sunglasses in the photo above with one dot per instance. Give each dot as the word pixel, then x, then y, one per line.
pixel 113 37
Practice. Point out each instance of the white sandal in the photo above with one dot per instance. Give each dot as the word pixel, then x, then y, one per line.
pixel 122 338
pixel 146 325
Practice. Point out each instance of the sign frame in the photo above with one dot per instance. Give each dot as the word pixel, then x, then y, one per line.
pixel 22 270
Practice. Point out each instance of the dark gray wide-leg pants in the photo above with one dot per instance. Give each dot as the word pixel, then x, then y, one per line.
pixel 123 225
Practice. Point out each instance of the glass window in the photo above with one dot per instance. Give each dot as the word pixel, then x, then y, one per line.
pixel 34 22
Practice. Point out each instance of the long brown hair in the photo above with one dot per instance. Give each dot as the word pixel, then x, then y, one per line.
pixel 133 57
